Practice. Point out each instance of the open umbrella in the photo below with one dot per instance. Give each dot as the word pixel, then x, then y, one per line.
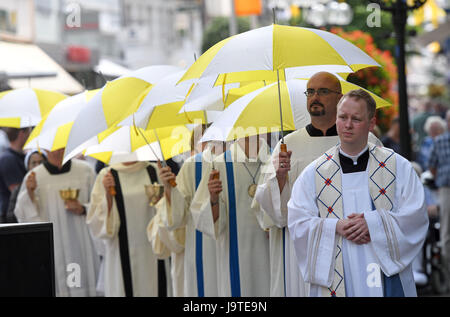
pixel 25 107
pixel 253 113
pixel 156 107
pixel 277 47
pixel 127 144
pixel 116 100
pixel 161 105
pixel 231 86
pixel 53 130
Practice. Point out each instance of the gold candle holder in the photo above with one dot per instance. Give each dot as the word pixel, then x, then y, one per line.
pixel 154 192
pixel 69 194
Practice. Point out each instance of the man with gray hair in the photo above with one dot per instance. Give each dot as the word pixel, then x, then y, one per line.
pixel 439 165
pixel 434 126
pixel 357 214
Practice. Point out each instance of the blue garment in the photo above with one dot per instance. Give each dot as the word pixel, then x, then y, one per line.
pixel 234 250
pixel 440 159
pixel 199 235
pixel 424 152
pixel 12 171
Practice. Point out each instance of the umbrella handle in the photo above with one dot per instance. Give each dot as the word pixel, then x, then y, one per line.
pixel 173 183
pixel 112 191
pixel 283 147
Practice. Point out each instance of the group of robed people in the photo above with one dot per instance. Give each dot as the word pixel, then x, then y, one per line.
pixel 334 214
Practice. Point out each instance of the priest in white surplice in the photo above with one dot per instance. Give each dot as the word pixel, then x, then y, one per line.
pixel 222 209
pixel 357 215
pixel 121 219
pixel 304 146
pixel 39 200
pixel 200 266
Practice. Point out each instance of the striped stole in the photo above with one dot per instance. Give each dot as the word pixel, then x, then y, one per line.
pixel 123 240
pixel 328 182
pixel 199 235
pixel 233 236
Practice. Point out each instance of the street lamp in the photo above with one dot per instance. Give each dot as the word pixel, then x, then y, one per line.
pixel 399 11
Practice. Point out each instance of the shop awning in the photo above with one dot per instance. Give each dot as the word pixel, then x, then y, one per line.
pixel 22 60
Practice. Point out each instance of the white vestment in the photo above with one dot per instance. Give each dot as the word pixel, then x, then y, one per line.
pixel 138 213
pixel 168 243
pixel 72 240
pixel 286 279
pixel 200 266
pixel 242 245
pixel 396 235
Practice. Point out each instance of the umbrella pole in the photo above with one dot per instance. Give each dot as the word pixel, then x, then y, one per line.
pixel 164 163
pixel 172 181
pixel 138 131
pixel 283 146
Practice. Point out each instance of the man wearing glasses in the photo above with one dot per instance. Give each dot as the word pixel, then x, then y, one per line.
pixel 304 146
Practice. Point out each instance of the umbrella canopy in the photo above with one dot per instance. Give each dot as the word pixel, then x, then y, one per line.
pixel 288 73
pixel 164 99
pixel 223 93
pixel 253 113
pixel 157 107
pixel 116 100
pixel 126 144
pixel 53 130
pixel 278 47
pixel 25 107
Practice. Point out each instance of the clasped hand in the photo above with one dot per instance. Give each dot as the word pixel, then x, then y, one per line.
pixel 354 229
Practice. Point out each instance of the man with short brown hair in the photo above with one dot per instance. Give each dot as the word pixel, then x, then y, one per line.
pixel 323 92
pixel 357 213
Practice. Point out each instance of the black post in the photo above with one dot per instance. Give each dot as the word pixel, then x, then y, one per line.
pixel 399 11
pixel 399 15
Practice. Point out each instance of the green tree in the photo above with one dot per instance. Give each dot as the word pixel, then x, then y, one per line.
pixel 219 29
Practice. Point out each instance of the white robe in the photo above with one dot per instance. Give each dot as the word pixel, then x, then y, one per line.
pixel 138 213
pixel 362 263
pixel 252 242
pixel 286 279
pixel 72 240
pixel 177 215
pixel 168 243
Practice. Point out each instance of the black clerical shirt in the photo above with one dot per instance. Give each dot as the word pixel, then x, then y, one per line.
pixel 348 165
pixel 312 131
pixel 54 170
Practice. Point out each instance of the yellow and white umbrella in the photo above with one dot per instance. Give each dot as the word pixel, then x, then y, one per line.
pixel 25 107
pixel 254 113
pixel 161 105
pixel 116 100
pixel 213 100
pixel 53 130
pixel 278 47
pixel 159 108
pixel 126 144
